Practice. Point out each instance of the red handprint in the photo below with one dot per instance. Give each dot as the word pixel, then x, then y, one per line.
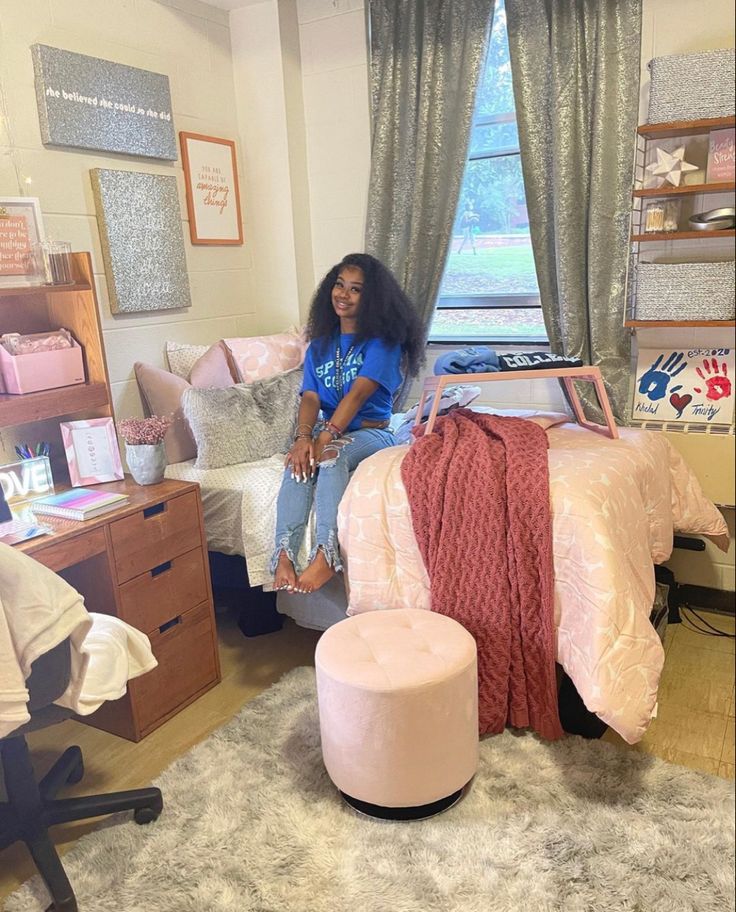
pixel 717 383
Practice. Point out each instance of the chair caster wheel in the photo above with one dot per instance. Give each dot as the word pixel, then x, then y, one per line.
pixel 148 814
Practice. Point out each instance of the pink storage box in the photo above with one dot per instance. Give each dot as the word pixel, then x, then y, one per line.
pixel 41 370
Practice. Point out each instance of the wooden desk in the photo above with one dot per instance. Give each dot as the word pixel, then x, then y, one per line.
pixel 146 563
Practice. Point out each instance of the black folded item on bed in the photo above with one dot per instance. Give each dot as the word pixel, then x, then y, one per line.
pixel 480 359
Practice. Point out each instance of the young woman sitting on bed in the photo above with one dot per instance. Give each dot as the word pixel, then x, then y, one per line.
pixel 365 336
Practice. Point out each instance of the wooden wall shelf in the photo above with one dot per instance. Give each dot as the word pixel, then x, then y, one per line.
pixel 685 127
pixel 643 324
pixel 23 290
pixel 688 190
pixel 683 235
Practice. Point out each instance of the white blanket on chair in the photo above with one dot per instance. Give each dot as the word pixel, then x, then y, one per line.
pixel 39 610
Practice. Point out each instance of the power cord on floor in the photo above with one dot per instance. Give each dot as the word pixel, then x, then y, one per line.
pixel 694 619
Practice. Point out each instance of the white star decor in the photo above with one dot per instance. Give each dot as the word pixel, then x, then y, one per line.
pixel 671 166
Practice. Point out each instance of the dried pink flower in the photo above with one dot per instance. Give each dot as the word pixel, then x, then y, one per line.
pixel 144 431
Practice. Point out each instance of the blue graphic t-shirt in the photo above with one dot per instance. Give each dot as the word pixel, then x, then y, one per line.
pixel 370 358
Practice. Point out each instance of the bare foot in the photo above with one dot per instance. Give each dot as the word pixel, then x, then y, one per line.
pixel 316 575
pixel 285 576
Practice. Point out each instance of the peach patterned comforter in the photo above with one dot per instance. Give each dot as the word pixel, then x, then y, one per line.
pixel 615 506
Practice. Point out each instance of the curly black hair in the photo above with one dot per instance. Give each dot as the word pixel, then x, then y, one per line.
pixel 385 312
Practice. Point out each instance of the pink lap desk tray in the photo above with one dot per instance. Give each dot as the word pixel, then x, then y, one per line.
pixel 41 370
pixel 566 374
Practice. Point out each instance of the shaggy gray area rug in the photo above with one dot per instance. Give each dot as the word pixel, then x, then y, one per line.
pixel 251 823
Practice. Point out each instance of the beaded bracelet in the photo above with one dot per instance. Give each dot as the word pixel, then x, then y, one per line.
pixel 334 430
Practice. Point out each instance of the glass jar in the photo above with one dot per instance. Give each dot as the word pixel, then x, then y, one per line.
pixel 55 261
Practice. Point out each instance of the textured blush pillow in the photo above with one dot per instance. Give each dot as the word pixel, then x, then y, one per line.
pixel 245 422
pixel 213 368
pixel 161 393
pixel 182 357
pixel 259 357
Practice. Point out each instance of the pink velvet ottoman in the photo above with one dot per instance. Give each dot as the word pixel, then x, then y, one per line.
pixel 398 711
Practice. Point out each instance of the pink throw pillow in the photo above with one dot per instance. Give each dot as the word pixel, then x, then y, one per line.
pixel 161 392
pixel 213 370
pixel 260 357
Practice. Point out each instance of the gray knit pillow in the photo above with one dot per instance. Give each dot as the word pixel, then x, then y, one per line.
pixel 245 422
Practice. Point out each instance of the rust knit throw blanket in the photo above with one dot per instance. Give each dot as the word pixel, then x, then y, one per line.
pixel 478 489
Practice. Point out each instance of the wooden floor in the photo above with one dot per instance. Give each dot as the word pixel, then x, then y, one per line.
pixel 695 724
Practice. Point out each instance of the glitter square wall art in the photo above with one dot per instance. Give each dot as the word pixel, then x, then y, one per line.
pixel 89 103
pixel 142 240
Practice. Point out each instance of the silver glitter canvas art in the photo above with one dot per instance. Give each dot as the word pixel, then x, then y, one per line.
pixel 89 103
pixel 142 240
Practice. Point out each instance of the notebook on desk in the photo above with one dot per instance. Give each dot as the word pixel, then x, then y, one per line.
pixel 13 531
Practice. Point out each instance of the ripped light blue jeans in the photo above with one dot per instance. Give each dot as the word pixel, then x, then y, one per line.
pixel 325 488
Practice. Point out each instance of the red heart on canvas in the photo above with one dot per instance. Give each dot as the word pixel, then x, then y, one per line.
pixel 678 402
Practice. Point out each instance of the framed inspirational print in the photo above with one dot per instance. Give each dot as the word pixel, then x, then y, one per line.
pixel 213 196
pixel 21 228
pixel 92 451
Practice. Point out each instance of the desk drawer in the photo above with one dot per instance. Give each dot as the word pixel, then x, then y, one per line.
pixel 174 586
pixel 155 535
pixel 187 663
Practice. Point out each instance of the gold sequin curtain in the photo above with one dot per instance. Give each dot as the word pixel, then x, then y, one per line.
pixel 575 67
pixel 426 59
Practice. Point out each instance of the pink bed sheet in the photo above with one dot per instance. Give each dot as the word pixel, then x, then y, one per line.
pixel 615 506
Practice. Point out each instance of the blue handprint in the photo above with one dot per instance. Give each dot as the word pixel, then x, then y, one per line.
pixel 653 382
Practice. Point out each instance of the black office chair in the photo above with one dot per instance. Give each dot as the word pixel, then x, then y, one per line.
pixel 32 807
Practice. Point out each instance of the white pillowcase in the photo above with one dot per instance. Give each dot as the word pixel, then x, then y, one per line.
pixel 182 357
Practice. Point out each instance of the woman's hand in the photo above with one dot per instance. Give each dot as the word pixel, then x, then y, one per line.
pixel 301 458
pixel 323 440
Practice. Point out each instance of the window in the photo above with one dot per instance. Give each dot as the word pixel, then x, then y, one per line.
pixel 489 290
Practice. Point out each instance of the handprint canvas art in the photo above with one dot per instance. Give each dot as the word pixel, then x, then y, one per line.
pixel 693 386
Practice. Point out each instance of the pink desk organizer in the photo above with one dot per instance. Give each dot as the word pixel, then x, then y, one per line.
pixel 41 370
pixel 566 374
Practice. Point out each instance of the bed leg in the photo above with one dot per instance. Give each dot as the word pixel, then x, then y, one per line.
pixel 575 718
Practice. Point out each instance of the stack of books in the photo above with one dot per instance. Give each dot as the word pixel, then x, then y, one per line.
pixel 78 503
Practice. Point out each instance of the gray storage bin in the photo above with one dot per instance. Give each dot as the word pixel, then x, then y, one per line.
pixel 685 291
pixel 691 86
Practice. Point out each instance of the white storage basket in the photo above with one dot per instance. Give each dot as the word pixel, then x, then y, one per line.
pixel 685 291
pixel 691 86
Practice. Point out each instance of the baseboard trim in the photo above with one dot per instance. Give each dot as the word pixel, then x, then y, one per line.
pixel 719 601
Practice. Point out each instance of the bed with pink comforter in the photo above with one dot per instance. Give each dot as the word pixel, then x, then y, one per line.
pixel 615 506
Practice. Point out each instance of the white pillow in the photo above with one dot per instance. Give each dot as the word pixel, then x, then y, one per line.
pixel 182 357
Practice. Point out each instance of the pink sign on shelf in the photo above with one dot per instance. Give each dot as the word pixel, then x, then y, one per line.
pixel 721 160
pixel 92 452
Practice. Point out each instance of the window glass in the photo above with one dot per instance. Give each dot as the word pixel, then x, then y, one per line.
pixel 489 289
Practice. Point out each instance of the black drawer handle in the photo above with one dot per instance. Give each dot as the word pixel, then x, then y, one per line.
pixel 152 511
pixel 162 568
pixel 169 624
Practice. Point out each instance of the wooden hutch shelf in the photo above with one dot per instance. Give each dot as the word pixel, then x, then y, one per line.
pixel 53 403
pixel 41 308
pixel 684 127
pixel 688 190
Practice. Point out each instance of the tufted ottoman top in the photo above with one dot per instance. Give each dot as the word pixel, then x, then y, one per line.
pixel 394 650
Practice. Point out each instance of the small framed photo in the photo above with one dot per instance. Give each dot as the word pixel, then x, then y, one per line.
pixel 21 229
pixel 213 195
pixel 92 452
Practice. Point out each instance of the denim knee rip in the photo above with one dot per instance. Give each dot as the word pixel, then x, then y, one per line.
pixel 336 447
pixel 331 552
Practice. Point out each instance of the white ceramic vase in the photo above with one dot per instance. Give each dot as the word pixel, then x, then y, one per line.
pixel 146 462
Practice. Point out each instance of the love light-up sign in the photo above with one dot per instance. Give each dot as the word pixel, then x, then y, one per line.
pixel 26 480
